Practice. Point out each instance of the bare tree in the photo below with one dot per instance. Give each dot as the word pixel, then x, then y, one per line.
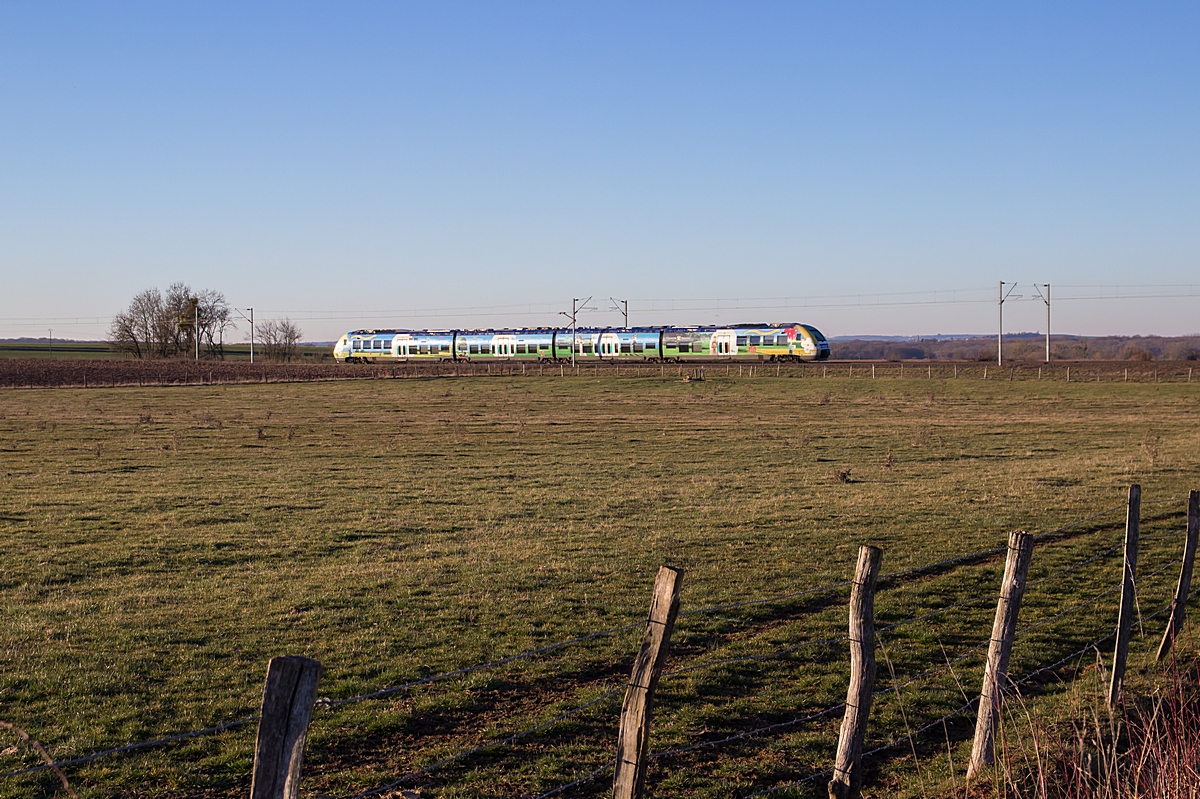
pixel 177 321
pixel 279 338
pixel 167 326
pixel 215 319
pixel 137 329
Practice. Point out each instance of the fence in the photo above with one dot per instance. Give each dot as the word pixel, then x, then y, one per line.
pixel 1019 653
pixel 25 373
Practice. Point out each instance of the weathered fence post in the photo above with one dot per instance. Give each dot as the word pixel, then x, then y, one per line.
pixel 1128 597
pixel 847 768
pixel 633 737
pixel 1179 603
pixel 1016 569
pixel 287 704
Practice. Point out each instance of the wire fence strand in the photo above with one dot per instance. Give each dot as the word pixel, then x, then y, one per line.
pixel 432 767
pixel 528 654
pixel 229 725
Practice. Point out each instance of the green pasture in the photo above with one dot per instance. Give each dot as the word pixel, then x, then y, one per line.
pixel 159 545
pixel 56 349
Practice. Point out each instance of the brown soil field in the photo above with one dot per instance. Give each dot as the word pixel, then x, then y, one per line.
pixel 96 373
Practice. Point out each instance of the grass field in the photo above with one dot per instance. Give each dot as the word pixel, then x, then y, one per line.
pixel 159 545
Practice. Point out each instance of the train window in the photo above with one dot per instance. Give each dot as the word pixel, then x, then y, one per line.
pixel 357 345
pixel 637 347
pixel 651 346
pixel 485 349
pixel 754 341
pixel 741 340
pixel 474 349
pixel 445 348
pixel 587 348
pixel 685 347
pixel 625 349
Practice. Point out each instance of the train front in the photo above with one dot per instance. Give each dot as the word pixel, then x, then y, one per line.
pixel 341 350
pixel 812 344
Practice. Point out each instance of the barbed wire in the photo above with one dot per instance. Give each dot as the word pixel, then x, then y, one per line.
pixel 995 597
pixel 331 703
pixel 585 778
pixel 927 673
pixel 1077 522
pixel 1093 600
pixel 778 653
pixel 477 667
pixel 749 733
pixel 490 745
pixel 941 720
pixel 1079 565
pixel 131 747
pixel 780 598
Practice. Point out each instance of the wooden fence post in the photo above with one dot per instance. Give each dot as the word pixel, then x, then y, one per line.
pixel 633 737
pixel 1128 597
pixel 287 705
pixel 1179 603
pixel 847 768
pixel 1016 569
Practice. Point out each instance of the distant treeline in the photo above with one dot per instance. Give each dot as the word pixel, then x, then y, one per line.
pixel 1023 348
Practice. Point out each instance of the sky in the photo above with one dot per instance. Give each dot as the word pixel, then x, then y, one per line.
pixel 868 168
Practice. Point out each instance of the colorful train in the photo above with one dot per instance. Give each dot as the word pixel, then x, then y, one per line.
pixel 765 342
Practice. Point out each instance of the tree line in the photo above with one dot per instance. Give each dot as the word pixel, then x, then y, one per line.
pixel 1023 347
pixel 182 323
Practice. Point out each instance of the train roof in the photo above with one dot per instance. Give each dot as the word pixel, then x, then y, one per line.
pixel 582 329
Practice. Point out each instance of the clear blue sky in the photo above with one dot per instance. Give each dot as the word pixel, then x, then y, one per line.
pixel 341 159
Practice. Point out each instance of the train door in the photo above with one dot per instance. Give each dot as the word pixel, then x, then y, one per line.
pixel 724 342
pixel 610 345
pixel 504 346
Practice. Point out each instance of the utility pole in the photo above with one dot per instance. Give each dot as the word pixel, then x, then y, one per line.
pixel 250 319
pixel 1046 299
pixel 576 307
pixel 1000 333
pixel 622 307
pixel 51 342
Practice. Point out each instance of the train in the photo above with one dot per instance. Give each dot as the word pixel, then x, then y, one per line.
pixel 757 342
